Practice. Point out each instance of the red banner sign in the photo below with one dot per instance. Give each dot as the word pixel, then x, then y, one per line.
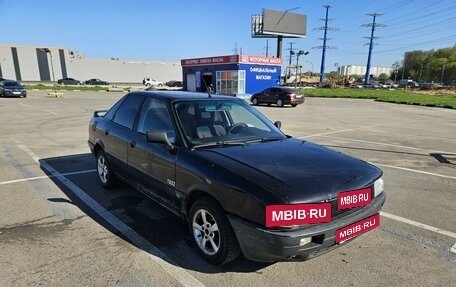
pixel 231 59
pixel 357 228
pixel 297 214
pixel 354 198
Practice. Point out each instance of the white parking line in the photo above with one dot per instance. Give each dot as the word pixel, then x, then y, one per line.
pixel 341 131
pixel 46 176
pixel 419 224
pixel 422 226
pixel 34 108
pixel 414 170
pixel 453 249
pixel 177 272
pixel 387 144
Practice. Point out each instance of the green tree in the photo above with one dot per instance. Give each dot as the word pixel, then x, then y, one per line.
pixel 383 77
pixel 433 65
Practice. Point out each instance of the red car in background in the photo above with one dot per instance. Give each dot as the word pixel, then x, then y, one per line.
pixel 279 96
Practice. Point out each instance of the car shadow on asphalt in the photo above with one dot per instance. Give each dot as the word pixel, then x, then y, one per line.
pixel 76 175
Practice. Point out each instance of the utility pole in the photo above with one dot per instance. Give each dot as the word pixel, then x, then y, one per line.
pixel 373 25
pixel 324 47
pixel 289 60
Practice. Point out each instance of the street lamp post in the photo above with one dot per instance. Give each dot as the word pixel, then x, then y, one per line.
pixel 298 53
pixel 421 71
pixel 312 67
pixel 443 71
pixel 47 51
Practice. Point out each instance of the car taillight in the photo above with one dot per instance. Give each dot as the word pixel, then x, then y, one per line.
pixel 293 96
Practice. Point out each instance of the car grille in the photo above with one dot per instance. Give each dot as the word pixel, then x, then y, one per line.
pixel 336 213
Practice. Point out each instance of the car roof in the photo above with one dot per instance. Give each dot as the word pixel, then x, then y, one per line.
pixel 183 95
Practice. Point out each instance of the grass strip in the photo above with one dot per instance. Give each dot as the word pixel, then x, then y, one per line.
pixel 391 96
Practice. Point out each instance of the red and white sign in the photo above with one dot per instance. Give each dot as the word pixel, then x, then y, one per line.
pixel 354 198
pixel 297 214
pixel 260 60
pixel 231 59
pixel 357 228
pixel 210 60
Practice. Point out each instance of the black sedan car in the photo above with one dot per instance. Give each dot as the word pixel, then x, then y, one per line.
pixel 279 96
pixel 10 88
pixel 240 182
pixel 68 81
pixel 96 82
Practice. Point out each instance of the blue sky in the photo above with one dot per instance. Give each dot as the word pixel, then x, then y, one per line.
pixel 172 30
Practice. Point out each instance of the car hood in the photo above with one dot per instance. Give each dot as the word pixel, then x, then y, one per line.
pixel 295 170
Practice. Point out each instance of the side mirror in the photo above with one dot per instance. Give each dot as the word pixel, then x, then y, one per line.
pixel 278 124
pixel 159 137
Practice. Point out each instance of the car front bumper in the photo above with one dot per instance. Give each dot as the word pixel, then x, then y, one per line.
pixel 264 245
pixel 15 93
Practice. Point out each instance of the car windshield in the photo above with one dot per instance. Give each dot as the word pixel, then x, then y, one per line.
pixel 223 122
pixel 11 84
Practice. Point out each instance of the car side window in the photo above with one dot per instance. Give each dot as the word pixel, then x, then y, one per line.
pixel 155 117
pixel 126 114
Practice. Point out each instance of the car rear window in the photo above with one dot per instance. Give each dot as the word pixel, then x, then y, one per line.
pixel 291 90
pixel 126 114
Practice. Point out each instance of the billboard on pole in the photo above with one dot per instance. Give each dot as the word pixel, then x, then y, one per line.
pixel 274 23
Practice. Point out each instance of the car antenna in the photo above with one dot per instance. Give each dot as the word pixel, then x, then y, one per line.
pixel 207 89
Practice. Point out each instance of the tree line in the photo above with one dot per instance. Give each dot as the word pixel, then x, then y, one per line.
pixel 427 66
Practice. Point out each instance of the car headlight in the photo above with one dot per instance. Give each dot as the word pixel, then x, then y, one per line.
pixel 379 185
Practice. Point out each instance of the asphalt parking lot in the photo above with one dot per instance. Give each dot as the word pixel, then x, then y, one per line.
pixel 59 227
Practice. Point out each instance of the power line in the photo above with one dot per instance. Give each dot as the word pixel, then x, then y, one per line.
pixel 324 46
pixel 373 25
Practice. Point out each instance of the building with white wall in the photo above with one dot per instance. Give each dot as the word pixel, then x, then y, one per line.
pixel 44 64
pixel 350 70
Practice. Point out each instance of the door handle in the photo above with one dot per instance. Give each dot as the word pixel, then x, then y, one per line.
pixel 132 143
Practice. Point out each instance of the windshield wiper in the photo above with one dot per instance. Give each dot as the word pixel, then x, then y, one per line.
pixel 220 143
pixel 262 140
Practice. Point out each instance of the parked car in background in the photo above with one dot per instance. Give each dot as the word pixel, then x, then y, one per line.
pixel 241 184
pixel 174 84
pixel 10 88
pixel 68 81
pixel 96 82
pixel 408 83
pixel 278 95
pixel 152 82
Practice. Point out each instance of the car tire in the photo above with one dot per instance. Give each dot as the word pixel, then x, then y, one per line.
pixel 212 233
pixel 293 105
pixel 255 101
pixel 105 174
pixel 279 103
